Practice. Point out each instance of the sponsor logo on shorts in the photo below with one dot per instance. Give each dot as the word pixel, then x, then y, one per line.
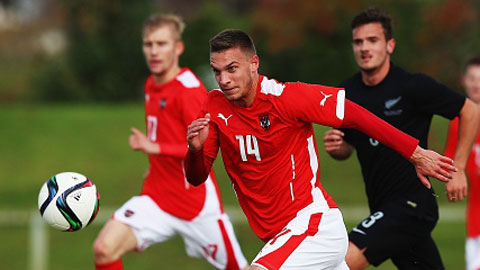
pixel 128 213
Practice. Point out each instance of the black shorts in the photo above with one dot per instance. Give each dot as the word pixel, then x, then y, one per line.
pixel 401 232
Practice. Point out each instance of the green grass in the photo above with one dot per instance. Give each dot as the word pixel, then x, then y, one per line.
pixel 39 141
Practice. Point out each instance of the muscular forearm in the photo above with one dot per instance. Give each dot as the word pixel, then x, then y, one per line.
pixel 359 118
pixel 469 120
pixel 197 167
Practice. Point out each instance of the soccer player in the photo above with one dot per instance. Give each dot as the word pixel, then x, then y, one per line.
pixel 168 205
pixel 403 212
pixel 264 129
pixel 471 83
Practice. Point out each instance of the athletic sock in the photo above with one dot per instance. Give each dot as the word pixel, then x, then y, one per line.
pixel 115 265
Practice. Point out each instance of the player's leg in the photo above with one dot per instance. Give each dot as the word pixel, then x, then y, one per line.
pixel 214 240
pixel 355 258
pixel 472 253
pixel 113 241
pixel 312 240
pixel 371 241
pixel 211 236
pixel 392 232
pixel 138 224
pixel 423 256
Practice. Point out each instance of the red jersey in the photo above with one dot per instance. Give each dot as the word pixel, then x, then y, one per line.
pixel 169 109
pixel 269 149
pixel 473 171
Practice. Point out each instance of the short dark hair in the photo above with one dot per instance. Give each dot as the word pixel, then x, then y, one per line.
pixel 232 38
pixel 372 15
pixel 473 61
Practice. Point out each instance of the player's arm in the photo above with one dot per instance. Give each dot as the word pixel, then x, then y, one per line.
pixel 468 123
pixel 451 143
pixel 426 162
pixel 139 142
pixel 197 164
pixel 336 146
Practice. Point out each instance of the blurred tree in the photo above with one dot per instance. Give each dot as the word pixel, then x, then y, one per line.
pixel 310 40
pixel 306 40
pixel 205 23
pixel 448 36
pixel 103 60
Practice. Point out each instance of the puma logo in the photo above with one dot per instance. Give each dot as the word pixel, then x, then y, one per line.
pixel 220 115
pixel 325 96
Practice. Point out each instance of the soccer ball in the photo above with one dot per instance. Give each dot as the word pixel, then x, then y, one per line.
pixel 68 201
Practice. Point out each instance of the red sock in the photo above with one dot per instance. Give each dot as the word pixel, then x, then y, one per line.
pixel 115 265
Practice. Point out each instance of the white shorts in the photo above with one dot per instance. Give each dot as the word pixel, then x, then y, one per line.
pixel 314 239
pixel 210 235
pixel 472 253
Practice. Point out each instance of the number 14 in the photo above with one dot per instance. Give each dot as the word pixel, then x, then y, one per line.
pixel 249 143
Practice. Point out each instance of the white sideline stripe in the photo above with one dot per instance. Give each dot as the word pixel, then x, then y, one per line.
pixel 21 217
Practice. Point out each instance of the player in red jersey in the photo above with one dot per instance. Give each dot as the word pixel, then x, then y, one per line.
pixel 471 82
pixel 264 129
pixel 168 205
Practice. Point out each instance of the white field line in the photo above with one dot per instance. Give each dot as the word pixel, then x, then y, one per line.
pixel 21 217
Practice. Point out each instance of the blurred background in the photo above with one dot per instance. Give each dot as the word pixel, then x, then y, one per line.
pixel 71 86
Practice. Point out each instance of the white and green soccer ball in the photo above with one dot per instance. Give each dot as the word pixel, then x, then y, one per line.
pixel 68 201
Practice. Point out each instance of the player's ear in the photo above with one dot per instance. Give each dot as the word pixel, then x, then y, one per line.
pixel 254 63
pixel 179 47
pixel 390 45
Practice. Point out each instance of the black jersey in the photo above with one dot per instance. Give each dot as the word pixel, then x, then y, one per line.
pixel 408 102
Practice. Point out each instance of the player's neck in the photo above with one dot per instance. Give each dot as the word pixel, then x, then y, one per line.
pixel 376 76
pixel 166 76
pixel 249 97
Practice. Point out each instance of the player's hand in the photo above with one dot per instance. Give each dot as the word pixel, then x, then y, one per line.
pixel 139 141
pixel 333 140
pixel 430 163
pixel 336 146
pixel 457 187
pixel 197 133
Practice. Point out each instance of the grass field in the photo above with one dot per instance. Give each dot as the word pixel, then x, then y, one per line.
pixel 38 141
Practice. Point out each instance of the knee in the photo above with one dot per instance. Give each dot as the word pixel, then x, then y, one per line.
pixel 103 252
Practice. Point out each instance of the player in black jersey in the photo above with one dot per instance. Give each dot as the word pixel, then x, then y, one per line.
pixel 403 211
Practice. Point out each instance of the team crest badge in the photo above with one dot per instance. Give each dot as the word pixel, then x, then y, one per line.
pixel 128 213
pixel 265 122
pixel 162 103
